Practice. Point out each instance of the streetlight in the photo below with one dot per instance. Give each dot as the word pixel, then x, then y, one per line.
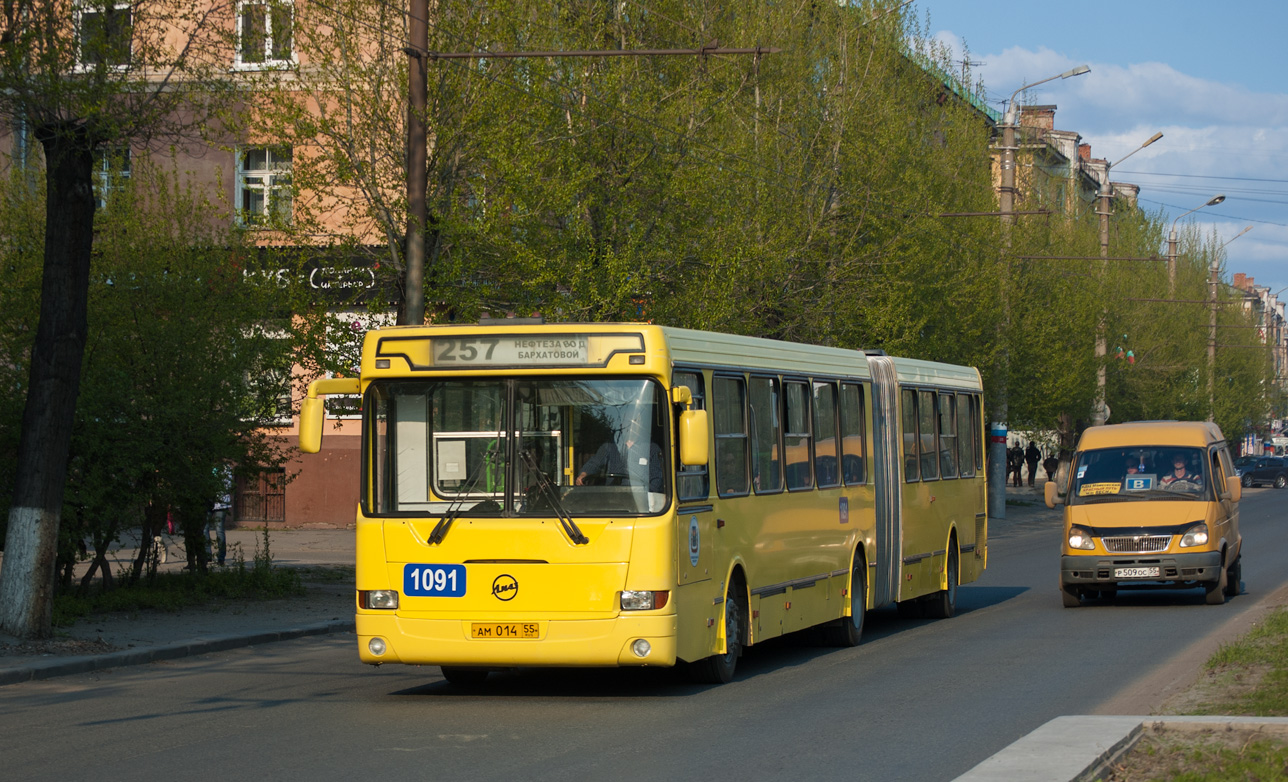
pixel 1171 241
pixel 1006 203
pixel 1214 270
pixel 1100 414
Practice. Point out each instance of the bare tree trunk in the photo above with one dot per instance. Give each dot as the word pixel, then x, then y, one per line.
pixel 31 544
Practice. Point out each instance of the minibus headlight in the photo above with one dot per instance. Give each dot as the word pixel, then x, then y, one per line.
pixel 644 601
pixel 1195 536
pixel 1080 538
pixel 378 598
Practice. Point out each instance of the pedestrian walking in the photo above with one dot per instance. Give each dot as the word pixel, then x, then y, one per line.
pixel 1031 457
pixel 1051 465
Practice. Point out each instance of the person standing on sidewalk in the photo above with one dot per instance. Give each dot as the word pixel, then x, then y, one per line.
pixel 1031 457
pixel 1015 463
pixel 219 510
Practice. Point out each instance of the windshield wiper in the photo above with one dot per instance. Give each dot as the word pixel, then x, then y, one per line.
pixel 458 505
pixel 552 496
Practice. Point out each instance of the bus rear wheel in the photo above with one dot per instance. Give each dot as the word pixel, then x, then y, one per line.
pixel 943 604
pixel 848 630
pixel 719 668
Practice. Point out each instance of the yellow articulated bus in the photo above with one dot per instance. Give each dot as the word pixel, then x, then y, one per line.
pixel 627 494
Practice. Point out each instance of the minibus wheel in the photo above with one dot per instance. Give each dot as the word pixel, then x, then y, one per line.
pixel 1233 577
pixel 1215 590
pixel 1069 595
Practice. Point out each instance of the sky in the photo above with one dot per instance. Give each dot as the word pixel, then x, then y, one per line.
pixel 1210 76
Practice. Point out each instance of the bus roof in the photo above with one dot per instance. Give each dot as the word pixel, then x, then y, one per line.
pixel 1199 434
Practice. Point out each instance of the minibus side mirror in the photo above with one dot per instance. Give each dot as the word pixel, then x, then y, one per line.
pixel 1234 489
pixel 1051 494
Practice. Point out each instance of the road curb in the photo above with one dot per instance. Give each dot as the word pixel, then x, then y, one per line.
pixel 1081 749
pixel 49 667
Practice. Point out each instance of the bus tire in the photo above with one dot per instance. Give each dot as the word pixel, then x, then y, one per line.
pixel 1069 596
pixel 848 630
pixel 465 678
pixel 943 604
pixel 719 668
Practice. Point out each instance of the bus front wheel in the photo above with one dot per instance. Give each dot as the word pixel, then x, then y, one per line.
pixel 719 668
pixel 464 677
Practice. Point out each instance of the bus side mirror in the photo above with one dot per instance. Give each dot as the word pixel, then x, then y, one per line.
pixel 1050 494
pixel 1234 488
pixel 312 413
pixel 694 434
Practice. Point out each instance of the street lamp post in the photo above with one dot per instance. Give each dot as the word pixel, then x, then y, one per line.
pixel 1006 206
pixel 1100 414
pixel 1171 242
pixel 1214 271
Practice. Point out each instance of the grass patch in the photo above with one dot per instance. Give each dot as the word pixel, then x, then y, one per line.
pixel 1250 676
pixel 1213 757
pixel 258 579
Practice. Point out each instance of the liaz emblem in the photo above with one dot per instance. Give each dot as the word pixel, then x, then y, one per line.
pixel 504 587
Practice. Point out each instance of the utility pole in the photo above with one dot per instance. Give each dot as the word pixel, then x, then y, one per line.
pixel 413 309
pixel 998 433
pixel 412 312
pixel 1214 282
pixel 1100 411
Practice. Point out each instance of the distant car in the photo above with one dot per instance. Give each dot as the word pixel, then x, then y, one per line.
pixel 1266 469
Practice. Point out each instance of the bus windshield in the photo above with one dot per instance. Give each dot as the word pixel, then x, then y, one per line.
pixel 1140 473
pixel 517 447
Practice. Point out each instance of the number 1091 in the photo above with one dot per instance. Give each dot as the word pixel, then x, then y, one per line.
pixel 434 580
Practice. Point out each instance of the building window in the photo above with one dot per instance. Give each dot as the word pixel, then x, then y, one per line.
pixel 264 186
pixel 104 33
pixel 111 170
pixel 265 31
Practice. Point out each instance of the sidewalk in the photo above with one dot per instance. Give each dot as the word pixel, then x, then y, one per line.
pixel 129 639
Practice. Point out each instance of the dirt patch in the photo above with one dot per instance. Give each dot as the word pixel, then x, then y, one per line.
pixel 1214 688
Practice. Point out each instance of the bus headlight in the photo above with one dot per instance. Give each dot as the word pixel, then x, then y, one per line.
pixel 1195 536
pixel 376 646
pixel 386 599
pixel 644 601
pixel 640 648
pixel 1080 538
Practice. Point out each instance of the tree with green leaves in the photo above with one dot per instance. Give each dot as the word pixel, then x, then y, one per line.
pixel 77 78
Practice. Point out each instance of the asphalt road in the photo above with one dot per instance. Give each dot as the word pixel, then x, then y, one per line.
pixel 918 700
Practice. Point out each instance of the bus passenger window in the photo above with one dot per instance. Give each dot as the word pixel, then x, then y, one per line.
pixel 729 408
pixel 908 400
pixel 797 437
pixel 947 436
pixel 966 439
pixel 826 469
pixel 926 428
pixel 691 481
pixel 852 445
pixel 766 431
